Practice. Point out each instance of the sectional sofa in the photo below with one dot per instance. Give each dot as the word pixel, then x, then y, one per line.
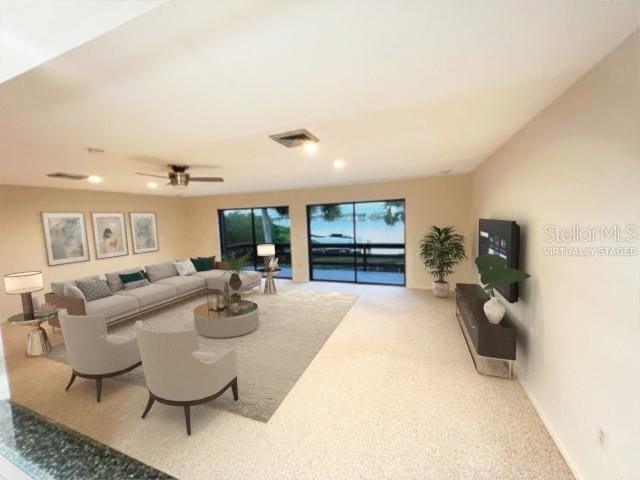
pixel 164 286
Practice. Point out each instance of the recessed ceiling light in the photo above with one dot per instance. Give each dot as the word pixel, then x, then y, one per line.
pixel 339 164
pixel 152 185
pixel 310 147
pixel 94 179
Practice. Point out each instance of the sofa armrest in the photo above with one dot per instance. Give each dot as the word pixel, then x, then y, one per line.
pixel 222 266
pixel 73 305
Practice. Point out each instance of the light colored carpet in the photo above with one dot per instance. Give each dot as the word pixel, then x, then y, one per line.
pixel 293 327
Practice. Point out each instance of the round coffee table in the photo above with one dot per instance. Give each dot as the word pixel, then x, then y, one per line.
pixel 226 323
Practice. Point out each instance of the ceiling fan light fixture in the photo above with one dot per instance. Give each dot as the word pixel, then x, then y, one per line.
pixel 179 179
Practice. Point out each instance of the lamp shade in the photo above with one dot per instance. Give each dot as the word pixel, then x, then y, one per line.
pixel 266 250
pixel 23 282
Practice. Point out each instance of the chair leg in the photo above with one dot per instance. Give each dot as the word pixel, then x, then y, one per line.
pixel 149 405
pixel 98 388
pixel 234 388
pixel 187 418
pixel 73 377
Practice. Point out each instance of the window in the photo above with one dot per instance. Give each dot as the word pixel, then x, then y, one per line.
pixel 242 229
pixel 360 242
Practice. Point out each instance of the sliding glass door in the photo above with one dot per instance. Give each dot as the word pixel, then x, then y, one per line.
pixel 361 242
pixel 242 229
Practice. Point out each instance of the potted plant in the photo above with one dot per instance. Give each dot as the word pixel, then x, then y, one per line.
pixel 494 272
pixel 441 250
pixel 236 264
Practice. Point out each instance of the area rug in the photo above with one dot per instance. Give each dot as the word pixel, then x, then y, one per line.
pixel 293 327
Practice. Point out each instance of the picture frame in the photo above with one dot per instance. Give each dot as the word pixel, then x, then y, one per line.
pixel 109 234
pixel 65 235
pixel 144 232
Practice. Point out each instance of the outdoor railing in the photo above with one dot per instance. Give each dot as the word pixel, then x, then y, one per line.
pixel 364 256
pixel 283 252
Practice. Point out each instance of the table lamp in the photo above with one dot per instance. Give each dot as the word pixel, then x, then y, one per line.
pixel 24 283
pixel 266 250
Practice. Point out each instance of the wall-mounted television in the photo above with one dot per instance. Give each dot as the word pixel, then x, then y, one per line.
pixel 501 237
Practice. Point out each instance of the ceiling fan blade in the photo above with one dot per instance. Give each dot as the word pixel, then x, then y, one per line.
pixel 206 179
pixel 151 175
pixel 193 166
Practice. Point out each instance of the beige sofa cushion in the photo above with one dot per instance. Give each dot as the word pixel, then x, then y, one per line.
pixel 114 280
pixel 184 284
pixel 217 279
pixel 58 287
pixel 112 307
pixel 158 271
pixel 150 295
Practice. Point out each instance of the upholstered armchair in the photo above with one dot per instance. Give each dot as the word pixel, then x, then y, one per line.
pixel 178 374
pixel 92 352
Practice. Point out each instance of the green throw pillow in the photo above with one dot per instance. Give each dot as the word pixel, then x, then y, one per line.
pixel 131 277
pixel 211 260
pixel 201 264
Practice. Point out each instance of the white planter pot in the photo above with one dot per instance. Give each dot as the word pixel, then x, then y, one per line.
pixel 494 310
pixel 440 289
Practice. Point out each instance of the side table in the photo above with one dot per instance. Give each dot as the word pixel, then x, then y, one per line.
pixel 269 282
pixel 37 339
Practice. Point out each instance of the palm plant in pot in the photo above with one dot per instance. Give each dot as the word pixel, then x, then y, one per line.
pixel 236 264
pixel 441 250
pixel 495 272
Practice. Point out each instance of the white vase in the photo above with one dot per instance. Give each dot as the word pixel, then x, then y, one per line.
pixel 440 289
pixel 494 310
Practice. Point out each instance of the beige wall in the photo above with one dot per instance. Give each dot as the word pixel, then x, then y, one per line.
pixel 579 318
pixel 189 226
pixel 22 246
pixel 429 201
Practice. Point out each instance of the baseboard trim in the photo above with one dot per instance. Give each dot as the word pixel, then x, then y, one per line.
pixel 552 433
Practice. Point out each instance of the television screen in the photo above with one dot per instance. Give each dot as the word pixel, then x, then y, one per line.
pixel 501 237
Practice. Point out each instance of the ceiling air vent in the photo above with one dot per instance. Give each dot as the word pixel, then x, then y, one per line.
pixel 68 176
pixel 295 138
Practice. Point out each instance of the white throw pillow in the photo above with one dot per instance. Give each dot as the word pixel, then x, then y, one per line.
pixel 185 267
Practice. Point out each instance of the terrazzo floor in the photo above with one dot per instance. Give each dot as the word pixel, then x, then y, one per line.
pixel 392 394
pixel 49 451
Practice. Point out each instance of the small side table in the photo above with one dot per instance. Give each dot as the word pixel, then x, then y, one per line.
pixel 37 339
pixel 269 282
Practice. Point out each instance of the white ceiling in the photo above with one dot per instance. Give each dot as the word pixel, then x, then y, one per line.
pixel 396 89
pixel 34 31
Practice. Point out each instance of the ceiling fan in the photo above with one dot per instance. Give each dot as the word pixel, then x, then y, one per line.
pixel 179 178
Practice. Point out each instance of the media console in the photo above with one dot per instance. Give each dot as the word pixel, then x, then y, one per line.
pixel 492 347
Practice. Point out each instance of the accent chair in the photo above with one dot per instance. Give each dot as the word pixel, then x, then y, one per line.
pixel 178 374
pixel 92 352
